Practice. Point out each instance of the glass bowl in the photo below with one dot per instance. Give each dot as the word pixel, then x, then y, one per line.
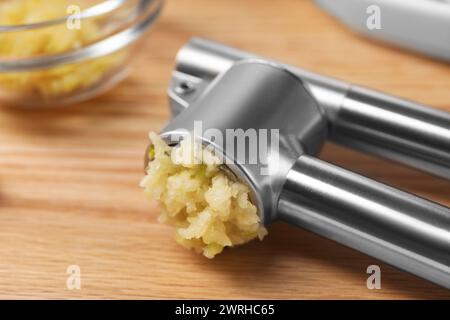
pixel 55 52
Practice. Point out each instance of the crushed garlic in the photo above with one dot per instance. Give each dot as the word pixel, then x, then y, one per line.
pixel 44 41
pixel 208 210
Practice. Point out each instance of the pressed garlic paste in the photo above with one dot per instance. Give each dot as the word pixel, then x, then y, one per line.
pixel 208 210
pixel 45 41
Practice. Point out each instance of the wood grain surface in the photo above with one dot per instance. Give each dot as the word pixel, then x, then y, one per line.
pixel 69 177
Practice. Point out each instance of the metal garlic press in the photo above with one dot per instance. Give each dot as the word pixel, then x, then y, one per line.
pixel 225 88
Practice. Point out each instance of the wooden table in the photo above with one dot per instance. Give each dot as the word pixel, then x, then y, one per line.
pixel 69 177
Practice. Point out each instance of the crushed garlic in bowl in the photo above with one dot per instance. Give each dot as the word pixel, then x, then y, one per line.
pixel 50 55
pixel 209 210
pixel 64 83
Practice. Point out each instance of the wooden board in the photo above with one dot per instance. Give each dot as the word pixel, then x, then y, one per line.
pixel 69 178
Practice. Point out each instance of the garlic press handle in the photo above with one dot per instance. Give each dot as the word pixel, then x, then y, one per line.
pixel 359 118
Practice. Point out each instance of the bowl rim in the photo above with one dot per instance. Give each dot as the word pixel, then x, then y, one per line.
pixel 98 49
pixel 96 10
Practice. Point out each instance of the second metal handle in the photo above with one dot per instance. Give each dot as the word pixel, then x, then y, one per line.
pixel 394 128
pixel 399 228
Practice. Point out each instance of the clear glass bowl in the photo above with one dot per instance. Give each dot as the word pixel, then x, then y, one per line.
pixel 55 61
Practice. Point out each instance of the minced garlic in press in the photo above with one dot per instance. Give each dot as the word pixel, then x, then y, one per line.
pixel 209 210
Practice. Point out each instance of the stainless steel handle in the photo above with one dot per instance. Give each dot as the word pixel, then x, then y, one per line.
pixel 394 128
pixel 359 118
pixel 401 229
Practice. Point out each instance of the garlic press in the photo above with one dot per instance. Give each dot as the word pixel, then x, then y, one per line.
pixel 226 88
